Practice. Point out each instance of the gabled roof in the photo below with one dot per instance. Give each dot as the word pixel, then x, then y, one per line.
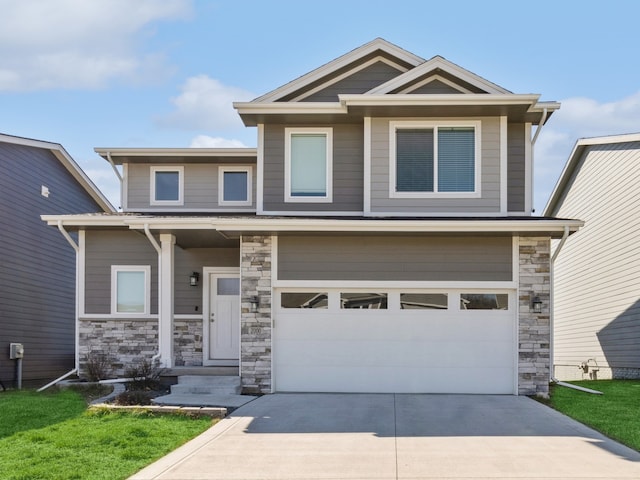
pixel 69 163
pixel 573 162
pixel 431 67
pixel 377 45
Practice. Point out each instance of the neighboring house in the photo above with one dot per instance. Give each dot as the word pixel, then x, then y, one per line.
pixel 37 265
pixel 379 239
pixel 597 273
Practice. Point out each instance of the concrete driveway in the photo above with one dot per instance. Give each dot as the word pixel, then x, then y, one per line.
pixel 387 436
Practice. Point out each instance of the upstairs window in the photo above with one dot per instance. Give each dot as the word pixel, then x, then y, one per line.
pixel 234 186
pixel 167 185
pixel 308 164
pixel 434 160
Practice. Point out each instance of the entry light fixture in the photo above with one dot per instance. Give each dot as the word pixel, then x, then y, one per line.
pixel 194 279
pixel 536 305
pixel 255 301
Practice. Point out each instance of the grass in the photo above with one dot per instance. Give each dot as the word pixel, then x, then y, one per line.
pixel 615 414
pixel 53 436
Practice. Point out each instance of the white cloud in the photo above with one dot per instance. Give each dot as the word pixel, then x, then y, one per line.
pixel 47 44
pixel 205 103
pixel 578 118
pixel 205 141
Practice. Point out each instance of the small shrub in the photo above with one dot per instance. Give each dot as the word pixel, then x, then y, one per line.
pixel 134 397
pixel 145 376
pixel 98 366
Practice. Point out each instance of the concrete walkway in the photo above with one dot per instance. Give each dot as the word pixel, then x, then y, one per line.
pixel 386 436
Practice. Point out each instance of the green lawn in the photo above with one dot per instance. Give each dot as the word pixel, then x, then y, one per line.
pixel 616 413
pixel 53 436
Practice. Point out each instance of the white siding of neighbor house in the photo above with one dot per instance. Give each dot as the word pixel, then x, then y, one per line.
pixel 490 175
pixel 597 274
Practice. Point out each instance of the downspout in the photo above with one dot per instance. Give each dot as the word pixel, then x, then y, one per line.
pixel 551 309
pixel 115 169
pixel 76 367
pixel 543 120
pixel 155 244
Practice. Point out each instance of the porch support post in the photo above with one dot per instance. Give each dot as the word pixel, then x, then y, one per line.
pixel 166 297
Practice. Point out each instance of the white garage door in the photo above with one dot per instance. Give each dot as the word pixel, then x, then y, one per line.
pixel 343 340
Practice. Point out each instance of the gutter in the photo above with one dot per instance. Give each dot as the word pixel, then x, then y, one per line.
pixel 158 249
pixel 551 309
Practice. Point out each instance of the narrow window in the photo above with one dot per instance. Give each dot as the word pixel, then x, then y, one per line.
pixel 234 186
pixel 414 157
pixel 456 147
pixel 363 300
pixel 167 185
pixel 130 290
pixel 308 165
pixel 423 301
pixel 304 300
pixel 484 301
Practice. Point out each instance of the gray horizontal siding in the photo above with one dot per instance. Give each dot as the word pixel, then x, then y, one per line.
pixel 348 171
pixel 435 87
pixel 388 258
pixel 597 274
pixel 359 82
pixel 516 171
pixel 490 176
pixel 200 188
pixel 37 265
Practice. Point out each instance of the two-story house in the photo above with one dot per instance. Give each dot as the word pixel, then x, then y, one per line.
pixel 378 239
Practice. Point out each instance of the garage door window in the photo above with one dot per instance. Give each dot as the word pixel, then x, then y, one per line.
pixel 363 300
pixel 304 300
pixel 484 301
pixel 423 301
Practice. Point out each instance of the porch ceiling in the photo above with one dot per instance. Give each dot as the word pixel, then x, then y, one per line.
pixel 202 239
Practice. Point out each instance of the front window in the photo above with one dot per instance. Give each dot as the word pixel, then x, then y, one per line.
pixel 308 164
pixel 234 187
pixel 434 160
pixel 167 185
pixel 130 291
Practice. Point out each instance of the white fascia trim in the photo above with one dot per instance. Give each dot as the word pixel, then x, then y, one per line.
pixel 222 169
pixel 393 284
pixel 433 78
pixel 260 170
pixel 396 125
pixel 347 74
pixel 173 152
pixel 550 107
pixel 152 187
pixel 528 170
pixel 450 99
pixel 504 191
pixel 288 134
pixel 323 213
pixel 441 63
pixel 366 202
pixel 338 63
pixel 187 210
pixel 68 162
pixel 285 108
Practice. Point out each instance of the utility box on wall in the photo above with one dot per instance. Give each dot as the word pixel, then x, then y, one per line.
pixel 16 350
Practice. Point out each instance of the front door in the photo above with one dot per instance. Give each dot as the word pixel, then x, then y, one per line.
pixel 224 316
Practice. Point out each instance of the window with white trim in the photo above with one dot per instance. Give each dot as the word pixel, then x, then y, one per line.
pixel 167 185
pixel 234 186
pixel 130 289
pixel 429 159
pixel 308 167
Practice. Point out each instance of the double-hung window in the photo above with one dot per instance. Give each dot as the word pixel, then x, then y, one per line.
pixel 130 289
pixel 429 159
pixel 308 164
pixel 234 185
pixel 167 185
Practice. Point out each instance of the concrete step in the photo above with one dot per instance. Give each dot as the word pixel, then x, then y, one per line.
pixel 207 385
pixel 226 401
pixel 209 380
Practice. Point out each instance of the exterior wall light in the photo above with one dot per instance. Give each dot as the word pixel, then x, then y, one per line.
pixel 255 301
pixel 194 279
pixel 536 305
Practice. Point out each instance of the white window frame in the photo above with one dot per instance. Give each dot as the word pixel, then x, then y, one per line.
pixel 394 126
pixel 115 269
pixel 222 169
pixel 180 171
pixel 328 132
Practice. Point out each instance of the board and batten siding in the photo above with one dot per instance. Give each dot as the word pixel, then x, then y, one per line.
pixel 348 170
pixel 37 265
pixel 490 174
pixel 200 188
pixel 390 258
pixel 597 274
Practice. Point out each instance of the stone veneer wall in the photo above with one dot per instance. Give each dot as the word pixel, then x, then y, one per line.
pixel 187 342
pixel 124 343
pixel 534 328
pixel 255 327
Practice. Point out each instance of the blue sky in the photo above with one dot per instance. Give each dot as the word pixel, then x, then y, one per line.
pixel 163 73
